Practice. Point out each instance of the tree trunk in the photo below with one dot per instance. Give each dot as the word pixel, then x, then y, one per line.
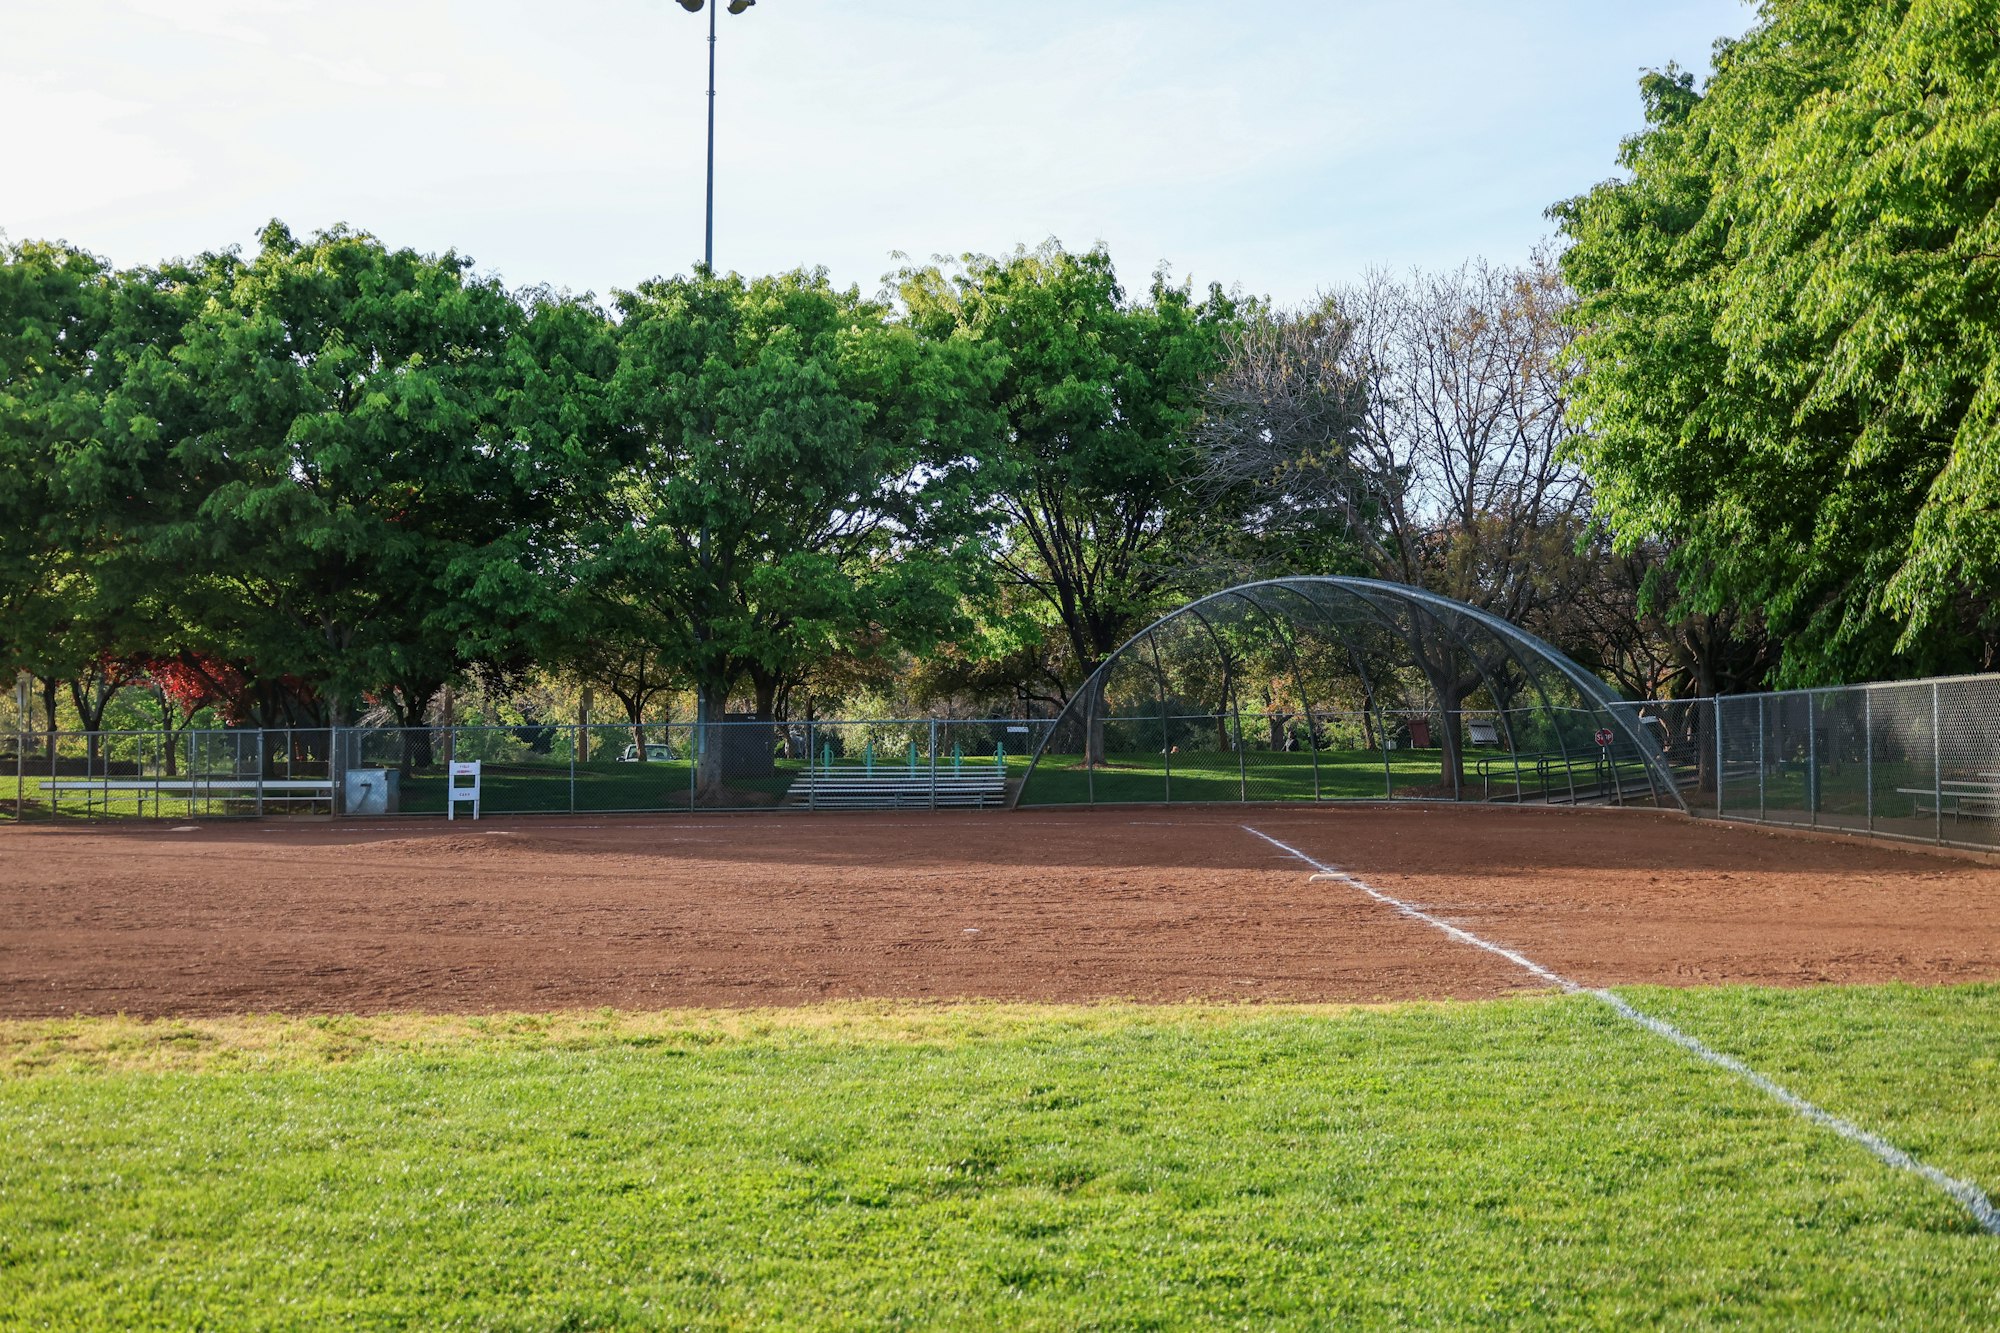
pixel 583 726
pixel 413 708
pixel 635 718
pixel 171 758
pixel 448 723
pixel 49 686
pixel 1451 702
pixel 1091 700
pixel 709 705
pixel 1710 714
pixel 91 703
pixel 766 687
pixel 1451 764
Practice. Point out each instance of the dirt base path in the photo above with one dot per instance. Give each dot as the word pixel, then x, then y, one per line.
pixel 1139 904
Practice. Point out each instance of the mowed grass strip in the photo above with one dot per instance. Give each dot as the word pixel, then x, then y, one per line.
pixel 1525 1161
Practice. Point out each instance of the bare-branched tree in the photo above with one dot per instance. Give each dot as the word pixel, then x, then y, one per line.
pixel 1429 413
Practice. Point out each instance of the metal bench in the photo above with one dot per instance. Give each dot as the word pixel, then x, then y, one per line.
pixel 261 790
pixel 1557 776
pixel 1960 800
pixel 898 789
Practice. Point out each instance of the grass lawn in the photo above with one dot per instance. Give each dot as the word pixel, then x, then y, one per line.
pixel 1526 1161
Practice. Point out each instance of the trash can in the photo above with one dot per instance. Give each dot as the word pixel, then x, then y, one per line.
pixel 373 791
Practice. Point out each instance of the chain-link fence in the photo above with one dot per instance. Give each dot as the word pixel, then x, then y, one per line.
pixel 1917 760
pixel 1524 755
pixel 184 774
pixel 530 769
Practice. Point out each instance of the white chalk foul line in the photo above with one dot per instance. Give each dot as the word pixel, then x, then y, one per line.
pixel 1965 1192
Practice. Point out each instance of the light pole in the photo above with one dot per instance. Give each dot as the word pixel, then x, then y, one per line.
pixel 708 231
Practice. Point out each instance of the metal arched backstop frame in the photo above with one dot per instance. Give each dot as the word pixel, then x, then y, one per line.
pixel 1389 636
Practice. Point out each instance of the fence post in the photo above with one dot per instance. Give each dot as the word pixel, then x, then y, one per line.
pixel 1868 753
pixel 1514 749
pixel 1312 742
pixel 1812 765
pixel 21 699
pixel 1937 765
pixel 812 755
pixel 1382 735
pixel 934 764
pixel 1242 774
pixel 1762 729
pixel 576 747
pixel 1090 721
pixel 1715 718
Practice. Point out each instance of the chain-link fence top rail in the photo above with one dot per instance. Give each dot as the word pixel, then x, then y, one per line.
pixel 1328 688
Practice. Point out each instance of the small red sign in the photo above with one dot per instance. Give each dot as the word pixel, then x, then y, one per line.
pixel 1604 736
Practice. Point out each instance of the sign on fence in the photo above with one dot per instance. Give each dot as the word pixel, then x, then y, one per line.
pixel 455 793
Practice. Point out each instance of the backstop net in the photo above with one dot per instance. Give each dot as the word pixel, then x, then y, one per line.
pixel 1327 689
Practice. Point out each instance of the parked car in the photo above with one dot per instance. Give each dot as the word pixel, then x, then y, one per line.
pixel 655 754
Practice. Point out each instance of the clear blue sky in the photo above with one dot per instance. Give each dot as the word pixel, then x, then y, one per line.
pixel 1279 145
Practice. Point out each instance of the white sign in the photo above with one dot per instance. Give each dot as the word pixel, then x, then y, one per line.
pixel 454 793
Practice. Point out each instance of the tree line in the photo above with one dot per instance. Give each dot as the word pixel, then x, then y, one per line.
pixel 338 477
pixel 1736 426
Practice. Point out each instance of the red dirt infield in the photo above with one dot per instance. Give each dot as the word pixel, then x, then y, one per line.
pixel 1143 904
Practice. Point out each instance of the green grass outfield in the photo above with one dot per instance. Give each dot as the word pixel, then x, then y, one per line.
pixel 1523 1162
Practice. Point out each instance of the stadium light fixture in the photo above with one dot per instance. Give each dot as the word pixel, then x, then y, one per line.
pixel 708 230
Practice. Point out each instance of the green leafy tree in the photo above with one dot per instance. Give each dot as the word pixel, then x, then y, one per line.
pixel 1790 308
pixel 54 311
pixel 805 482
pixel 1093 452
pixel 74 334
pixel 358 464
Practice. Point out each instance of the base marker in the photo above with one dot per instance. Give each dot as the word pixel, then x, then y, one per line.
pixel 1967 1194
